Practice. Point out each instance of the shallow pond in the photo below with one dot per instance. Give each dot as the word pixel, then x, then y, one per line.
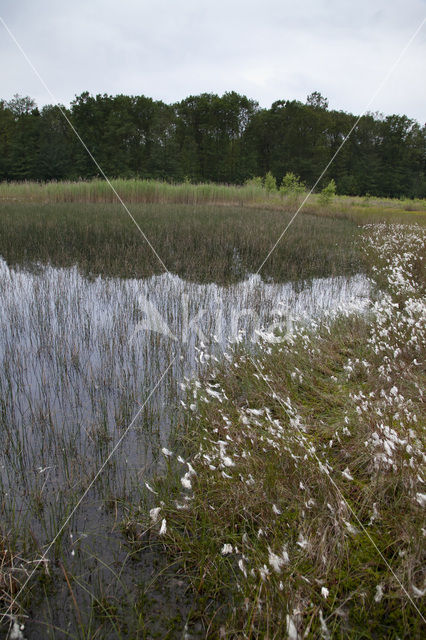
pixel 79 358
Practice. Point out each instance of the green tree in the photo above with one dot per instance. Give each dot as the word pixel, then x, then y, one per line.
pixel 291 184
pixel 270 183
pixel 25 142
pixel 20 105
pixel 327 194
pixel 256 182
pixel 55 151
pixel 316 100
pixel 7 133
pixel 209 132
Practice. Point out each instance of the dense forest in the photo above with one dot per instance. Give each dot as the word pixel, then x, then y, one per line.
pixel 226 139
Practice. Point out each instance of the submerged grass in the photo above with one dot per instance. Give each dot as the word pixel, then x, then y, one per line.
pixel 300 511
pixel 208 244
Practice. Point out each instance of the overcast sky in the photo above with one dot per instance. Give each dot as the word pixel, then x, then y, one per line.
pixel 266 49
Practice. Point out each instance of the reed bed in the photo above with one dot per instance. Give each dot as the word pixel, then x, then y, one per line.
pixel 206 243
pixel 134 191
pixel 154 191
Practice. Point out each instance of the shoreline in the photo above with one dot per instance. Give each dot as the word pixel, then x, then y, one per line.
pixel 298 499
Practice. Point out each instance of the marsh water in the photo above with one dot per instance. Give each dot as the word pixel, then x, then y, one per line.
pixel 80 357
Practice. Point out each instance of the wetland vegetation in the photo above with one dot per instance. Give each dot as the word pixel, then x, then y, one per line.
pixel 298 496
pixel 80 355
pixel 201 243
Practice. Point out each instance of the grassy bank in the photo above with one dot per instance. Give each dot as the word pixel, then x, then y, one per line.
pixel 153 191
pixel 296 505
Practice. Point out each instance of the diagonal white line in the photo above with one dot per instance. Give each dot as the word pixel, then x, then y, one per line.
pixel 342 497
pixel 102 172
pixel 346 138
pixel 86 491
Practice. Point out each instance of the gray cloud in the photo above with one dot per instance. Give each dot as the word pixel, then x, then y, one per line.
pixel 268 50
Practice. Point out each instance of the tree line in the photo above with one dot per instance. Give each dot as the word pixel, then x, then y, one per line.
pixel 211 138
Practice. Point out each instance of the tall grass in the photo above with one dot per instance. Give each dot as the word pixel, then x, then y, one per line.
pixel 152 191
pixel 134 191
